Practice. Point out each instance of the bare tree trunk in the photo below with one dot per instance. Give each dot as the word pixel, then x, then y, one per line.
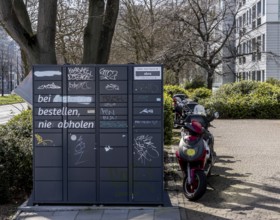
pixel 46 30
pixel 99 31
pixel 210 75
pixel 92 31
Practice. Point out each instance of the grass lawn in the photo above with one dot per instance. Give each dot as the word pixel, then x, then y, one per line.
pixel 10 99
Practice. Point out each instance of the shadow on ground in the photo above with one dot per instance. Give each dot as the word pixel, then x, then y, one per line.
pixel 227 189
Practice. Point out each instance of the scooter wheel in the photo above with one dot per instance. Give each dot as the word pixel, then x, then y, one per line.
pixel 197 188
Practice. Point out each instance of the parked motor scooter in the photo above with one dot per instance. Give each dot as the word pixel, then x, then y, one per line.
pixel 196 158
pixel 182 108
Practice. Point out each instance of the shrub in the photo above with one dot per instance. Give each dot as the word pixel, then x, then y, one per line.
pixel 273 81
pixel 172 90
pixel 246 99
pixel 168 118
pixel 16 154
pixel 200 93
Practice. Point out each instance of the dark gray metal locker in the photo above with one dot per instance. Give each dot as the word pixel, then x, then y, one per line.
pixel 98 134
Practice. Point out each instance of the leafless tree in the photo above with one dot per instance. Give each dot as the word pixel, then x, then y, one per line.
pixel 39 44
pixel 204 30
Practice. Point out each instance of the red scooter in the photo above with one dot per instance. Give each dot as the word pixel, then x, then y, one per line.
pixel 195 160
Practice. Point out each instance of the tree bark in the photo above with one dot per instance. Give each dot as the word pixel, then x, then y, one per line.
pixel 99 31
pixel 92 31
pixel 39 47
pixel 46 30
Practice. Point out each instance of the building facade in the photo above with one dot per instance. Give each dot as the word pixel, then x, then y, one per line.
pixel 258 40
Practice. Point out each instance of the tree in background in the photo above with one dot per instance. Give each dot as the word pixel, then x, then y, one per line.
pixel 203 31
pixel 39 44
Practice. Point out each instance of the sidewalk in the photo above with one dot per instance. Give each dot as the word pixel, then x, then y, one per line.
pixel 98 213
pixel 9 111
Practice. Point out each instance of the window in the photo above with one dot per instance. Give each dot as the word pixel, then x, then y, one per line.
pixel 258 75
pixel 249 46
pixel 254 54
pixel 240 22
pixel 259 21
pixel 254 12
pixel 254 44
pixel 263 76
pixel 263 7
pixel 253 75
pixel 259 8
pixel 250 16
pixel 259 47
pixel 243 48
pixel 263 42
pixel 254 24
pixel 244 75
pixel 244 19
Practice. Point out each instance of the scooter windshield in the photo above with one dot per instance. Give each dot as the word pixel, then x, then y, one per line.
pixel 199 109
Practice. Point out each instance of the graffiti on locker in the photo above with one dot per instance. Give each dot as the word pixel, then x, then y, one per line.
pixel 41 141
pixel 108 148
pixel 79 150
pixel 106 74
pixel 80 73
pixel 112 87
pixel 79 85
pixel 147 111
pixel 108 114
pixel 110 104
pixel 49 86
pixel 145 148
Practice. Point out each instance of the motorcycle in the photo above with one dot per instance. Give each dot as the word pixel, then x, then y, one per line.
pixel 196 155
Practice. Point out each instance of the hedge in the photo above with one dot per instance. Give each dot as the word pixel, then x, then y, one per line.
pixel 172 90
pixel 16 157
pixel 246 99
pixel 168 118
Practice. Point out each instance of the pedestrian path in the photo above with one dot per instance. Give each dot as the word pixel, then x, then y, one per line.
pixel 9 111
pixel 97 213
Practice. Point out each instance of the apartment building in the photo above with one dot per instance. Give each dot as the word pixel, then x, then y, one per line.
pixel 256 48
pixel 258 40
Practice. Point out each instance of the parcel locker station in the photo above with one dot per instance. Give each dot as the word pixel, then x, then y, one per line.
pixel 98 134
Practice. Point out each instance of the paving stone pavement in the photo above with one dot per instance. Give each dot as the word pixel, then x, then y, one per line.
pixel 245 181
pixel 244 184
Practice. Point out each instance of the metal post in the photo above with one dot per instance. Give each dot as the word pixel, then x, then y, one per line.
pixel 2 72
